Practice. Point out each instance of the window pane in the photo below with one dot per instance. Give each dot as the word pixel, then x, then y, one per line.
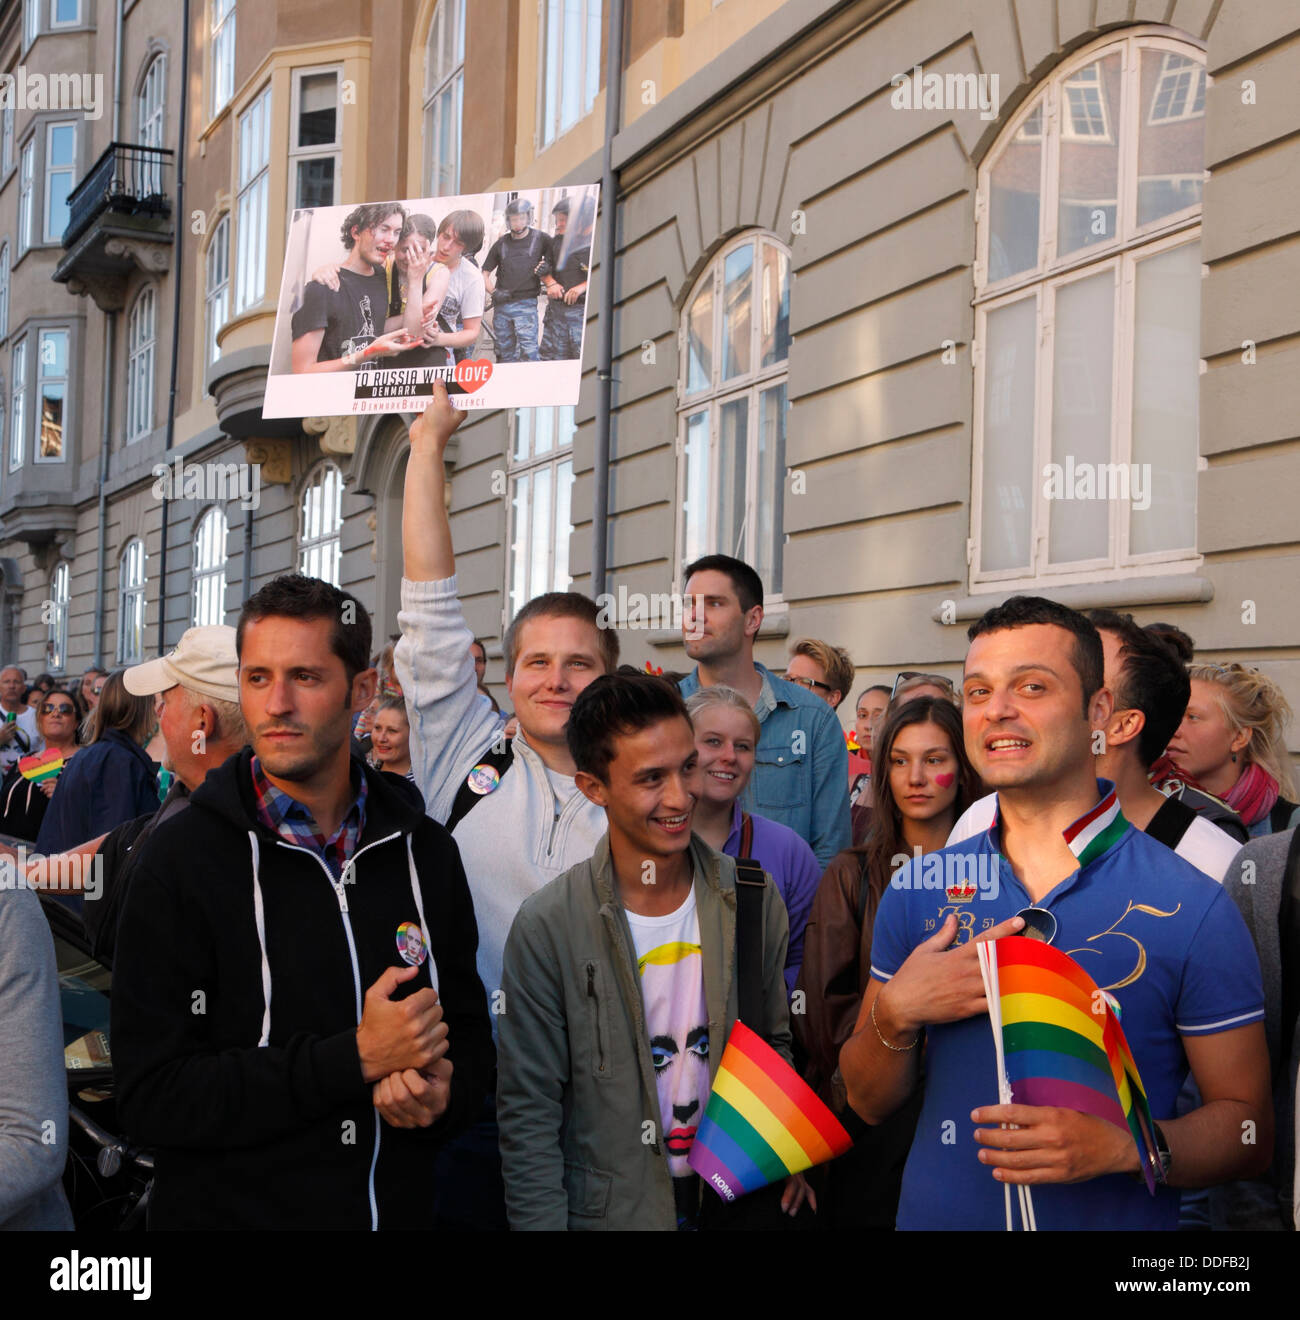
pixel 560 579
pixel 551 72
pixel 62 144
pixel 770 502
pixel 318 95
pixel 1171 136
pixel 52 421
pixel 316 182
pixel 1014 201
pixel 699 342
pixel 519 544
pixel 1089 155
pixel 737 310
pixel 774 309
pixel 543 532
pixel 543 430
pixel 1008 476
pixel 54 352
pixel 1165 390
pixel 523 432
pixel 594 47
pixel 695 501
pixel 1079 522
pixel 57 220
pixel 733 470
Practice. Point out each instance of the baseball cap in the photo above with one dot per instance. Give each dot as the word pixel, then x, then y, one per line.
pixel 204 661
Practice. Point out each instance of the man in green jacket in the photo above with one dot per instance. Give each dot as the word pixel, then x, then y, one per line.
pixel 620 986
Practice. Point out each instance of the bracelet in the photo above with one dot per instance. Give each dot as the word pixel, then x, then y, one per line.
pixel 898 1049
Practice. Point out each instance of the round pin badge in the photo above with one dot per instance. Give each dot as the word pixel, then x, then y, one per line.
pixel 410 944
pixel 483 779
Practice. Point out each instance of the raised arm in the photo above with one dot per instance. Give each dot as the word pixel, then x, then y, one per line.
pixel 426 531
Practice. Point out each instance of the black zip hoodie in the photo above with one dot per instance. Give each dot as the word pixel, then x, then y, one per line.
pixel 237 991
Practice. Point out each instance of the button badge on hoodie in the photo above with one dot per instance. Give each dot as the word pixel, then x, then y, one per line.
pixel 483 779
pixel 410 944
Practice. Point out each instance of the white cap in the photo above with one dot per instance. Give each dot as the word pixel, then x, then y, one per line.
pixel 204 661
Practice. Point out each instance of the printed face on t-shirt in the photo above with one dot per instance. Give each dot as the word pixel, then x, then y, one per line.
pixel 672 987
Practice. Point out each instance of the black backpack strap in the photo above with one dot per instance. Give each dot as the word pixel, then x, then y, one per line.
pixel 1280 817
pixel 1171 822
pixel 1288 929
pixel 751 880
pixel 467 799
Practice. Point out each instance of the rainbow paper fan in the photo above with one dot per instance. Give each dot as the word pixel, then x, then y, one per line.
pixel 762 1123
pixel 41 765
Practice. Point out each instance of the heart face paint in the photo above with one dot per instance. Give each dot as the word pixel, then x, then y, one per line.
pixel 945 780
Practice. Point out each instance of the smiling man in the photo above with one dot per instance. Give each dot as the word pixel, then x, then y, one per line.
pixel 1152 931
pixel 511 804
pixel 615 977
pixel 275 1093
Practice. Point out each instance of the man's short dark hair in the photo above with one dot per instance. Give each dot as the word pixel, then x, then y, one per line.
pixel 561 605
pixel 1021 611
pixel 747 583
pixel 296 596
pixel 1152 679
pixel 614 706
pixel 368 216
pixel 1176 639
pixel 467 226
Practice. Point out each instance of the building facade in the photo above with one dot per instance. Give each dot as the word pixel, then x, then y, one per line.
pixel 915 304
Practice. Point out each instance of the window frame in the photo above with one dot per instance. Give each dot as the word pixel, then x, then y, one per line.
pixel 550 130
pixel 1131 244
pixel 31 22
pixel 140 358
pixel 212 292
pixel 42 379
pixel 322 151
pixel 253 193
pixel 221 56
pixel 433 94
pixel 316 543
pixel 56 26
pixel 200 575
pixel 57 630
pixel 18 405
pixel 6 265
pixel 751 385
pixel 48 173
pixel 8 130
pixel 516 468
pixel 27 195
pixel 148 113
pixel 131 600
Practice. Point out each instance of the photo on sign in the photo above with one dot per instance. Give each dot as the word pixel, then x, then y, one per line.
pixel 487 293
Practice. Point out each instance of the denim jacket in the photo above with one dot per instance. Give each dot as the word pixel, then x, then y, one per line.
pixel 801 768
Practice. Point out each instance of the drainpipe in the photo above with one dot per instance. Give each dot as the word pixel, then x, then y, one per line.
pixel 106 430
pixel 605 350
pixel 178 252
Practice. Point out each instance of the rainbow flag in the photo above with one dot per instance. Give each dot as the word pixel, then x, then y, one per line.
pixel 1059 1040
pixel 41 765
pixel 762 1123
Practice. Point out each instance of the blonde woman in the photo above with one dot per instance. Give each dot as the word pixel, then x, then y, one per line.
pixel 1232 742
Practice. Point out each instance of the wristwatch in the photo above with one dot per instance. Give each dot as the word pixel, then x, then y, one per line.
pixel 1160 1166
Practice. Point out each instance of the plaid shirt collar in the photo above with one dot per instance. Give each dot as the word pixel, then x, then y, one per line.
pixel 288 818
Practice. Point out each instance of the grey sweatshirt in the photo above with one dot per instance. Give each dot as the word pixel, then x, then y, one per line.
pixel 33 1086
pixel 513 841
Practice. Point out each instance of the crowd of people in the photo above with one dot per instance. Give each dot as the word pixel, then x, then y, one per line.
pixel 385 955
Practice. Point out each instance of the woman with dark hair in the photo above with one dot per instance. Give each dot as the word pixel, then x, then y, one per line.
pixel 23 801
pixel 921 782
pixel 112 779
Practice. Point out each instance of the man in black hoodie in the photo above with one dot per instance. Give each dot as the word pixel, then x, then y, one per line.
pixel 274 1092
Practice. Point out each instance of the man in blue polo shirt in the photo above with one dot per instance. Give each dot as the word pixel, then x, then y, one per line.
pixel 801 764
pixel 1149 928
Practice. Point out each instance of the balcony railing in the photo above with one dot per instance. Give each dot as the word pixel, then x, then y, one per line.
pixel 128 179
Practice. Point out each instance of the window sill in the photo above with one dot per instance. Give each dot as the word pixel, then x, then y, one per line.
pixel 1135 593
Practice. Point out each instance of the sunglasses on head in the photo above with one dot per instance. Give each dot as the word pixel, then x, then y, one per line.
pixel 908 674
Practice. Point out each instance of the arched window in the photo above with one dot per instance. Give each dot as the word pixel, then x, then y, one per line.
pixel 209 572
pixel 141 338
pixel 149 105
pixel 56 645
pixel 4 289
pixel 735 346
pixel 320 524
pixel 217 285
pixel 130 603
pixel 1087 297
pixel 444 93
